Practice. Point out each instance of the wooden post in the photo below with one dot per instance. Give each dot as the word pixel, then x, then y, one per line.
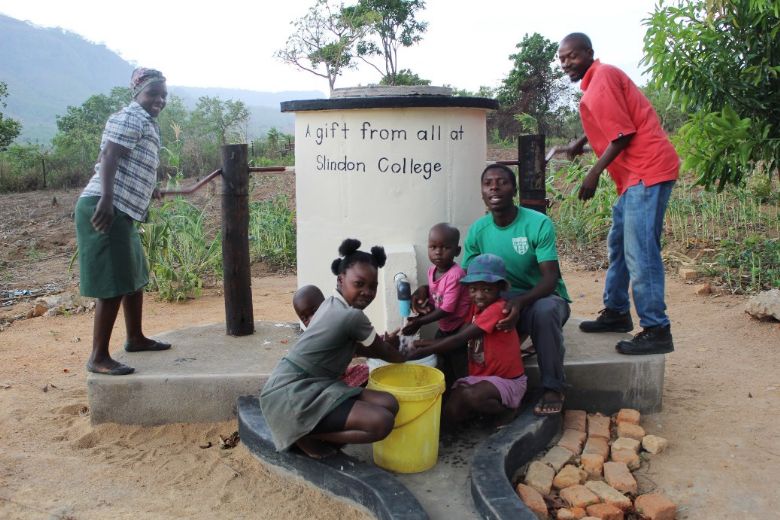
pixel 239 317
pixel 531 167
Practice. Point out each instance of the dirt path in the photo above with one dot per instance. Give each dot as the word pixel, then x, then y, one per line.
pixel 720 397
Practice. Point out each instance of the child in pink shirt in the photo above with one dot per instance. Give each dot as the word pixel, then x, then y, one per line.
pixel 444 299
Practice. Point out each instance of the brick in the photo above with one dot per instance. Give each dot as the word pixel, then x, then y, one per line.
pixel 597 446
pixel 619 477
pixel 609 495
pixel 574 513
pixel 579 496
pixel 575 420
pixel 655 506
pixel 632 431
pixel 626 443
pixel 540 476
pixel 533 500
pixel 557 457
pixel 628 415
pixel 654 444
pixel 572 440
pixel 593 465
pixel 703 289
pixel 598 426
pixel 569 476
pixel 605 512
pixel 630 457
pixel 688 274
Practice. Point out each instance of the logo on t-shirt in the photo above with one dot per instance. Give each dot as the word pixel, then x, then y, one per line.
pixel 520 244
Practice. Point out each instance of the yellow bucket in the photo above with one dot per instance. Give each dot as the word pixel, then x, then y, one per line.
pixel 413 445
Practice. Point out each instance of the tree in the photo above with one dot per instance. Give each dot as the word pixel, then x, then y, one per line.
pixel 533 86
pixel 77 141
pixel 721 60
pixel 224 121
pixel 9 128
pixel 405 77
pixel 394 24
pixel 323 41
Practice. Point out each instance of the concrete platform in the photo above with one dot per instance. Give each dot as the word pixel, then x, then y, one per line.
pixel 603 380
pixel 198 380
pixel 201 377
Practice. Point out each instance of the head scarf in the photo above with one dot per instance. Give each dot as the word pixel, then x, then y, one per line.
pixel 143 77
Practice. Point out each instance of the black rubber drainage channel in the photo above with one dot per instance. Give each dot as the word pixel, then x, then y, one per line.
pixel 342 475
pixel 500 455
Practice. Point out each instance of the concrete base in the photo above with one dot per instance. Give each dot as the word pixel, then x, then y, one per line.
pixel 198 380
pixel 603 380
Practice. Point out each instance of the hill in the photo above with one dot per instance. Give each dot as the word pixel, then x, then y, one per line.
pixel 49 69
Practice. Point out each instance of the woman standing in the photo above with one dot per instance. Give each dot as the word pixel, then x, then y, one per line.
pixel 111 260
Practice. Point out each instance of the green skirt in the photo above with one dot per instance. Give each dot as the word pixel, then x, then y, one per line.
pixel 110 264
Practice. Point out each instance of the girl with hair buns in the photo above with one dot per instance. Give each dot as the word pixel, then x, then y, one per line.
pixel 304 401
pixel 111 260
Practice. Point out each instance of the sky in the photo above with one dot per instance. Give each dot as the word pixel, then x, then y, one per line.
pixel 230 43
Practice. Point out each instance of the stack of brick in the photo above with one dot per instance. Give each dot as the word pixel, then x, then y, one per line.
pixel 589 470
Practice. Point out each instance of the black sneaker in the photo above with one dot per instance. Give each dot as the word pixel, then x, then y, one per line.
pixel 652 340
pixel 609 321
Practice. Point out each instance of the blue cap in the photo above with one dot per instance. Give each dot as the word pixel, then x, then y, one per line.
pixel 485 268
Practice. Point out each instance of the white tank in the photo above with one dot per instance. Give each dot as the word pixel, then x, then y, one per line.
pixel 383 165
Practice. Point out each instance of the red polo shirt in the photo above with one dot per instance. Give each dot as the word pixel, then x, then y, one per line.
pixel 613 106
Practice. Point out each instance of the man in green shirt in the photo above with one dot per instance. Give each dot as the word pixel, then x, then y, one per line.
pixel 538 304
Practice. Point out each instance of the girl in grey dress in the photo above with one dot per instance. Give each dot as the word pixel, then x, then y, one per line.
pixel 304 401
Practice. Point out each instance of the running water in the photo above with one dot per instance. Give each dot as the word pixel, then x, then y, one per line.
pixel 404 342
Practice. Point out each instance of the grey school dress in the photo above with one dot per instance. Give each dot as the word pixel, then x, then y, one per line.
pixel 305 386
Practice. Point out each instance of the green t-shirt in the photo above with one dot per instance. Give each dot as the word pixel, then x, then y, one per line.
pixel 523 244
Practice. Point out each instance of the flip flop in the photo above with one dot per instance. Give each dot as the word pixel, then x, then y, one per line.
pixel 119 370
pixel 556 403
pixel 157 345
pixel 529 352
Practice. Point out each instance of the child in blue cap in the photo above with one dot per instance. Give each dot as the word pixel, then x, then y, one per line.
pixel 496 382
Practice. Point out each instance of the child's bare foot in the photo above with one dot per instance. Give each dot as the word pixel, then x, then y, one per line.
pixel 109 367
pixel 316 449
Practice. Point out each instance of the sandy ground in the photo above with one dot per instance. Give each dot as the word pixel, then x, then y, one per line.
pixel 720 400
pixel 720 397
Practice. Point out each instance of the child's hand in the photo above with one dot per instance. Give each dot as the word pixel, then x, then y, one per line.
pixel 412 326
pixel 421 304
pixel 391 338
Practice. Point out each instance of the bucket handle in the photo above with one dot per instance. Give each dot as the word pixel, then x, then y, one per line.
pixel 433 402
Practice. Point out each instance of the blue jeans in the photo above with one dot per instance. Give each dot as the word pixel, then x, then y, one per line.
pixel 634 244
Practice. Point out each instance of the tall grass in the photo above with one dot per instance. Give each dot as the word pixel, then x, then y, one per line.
pixel 580 223
pixel 272 232
pixel 735 234
pixel 181 256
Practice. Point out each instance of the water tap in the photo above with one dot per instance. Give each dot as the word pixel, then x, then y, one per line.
pixel 404 293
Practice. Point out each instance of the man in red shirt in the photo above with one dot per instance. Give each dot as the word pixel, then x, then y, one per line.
pixel 625 133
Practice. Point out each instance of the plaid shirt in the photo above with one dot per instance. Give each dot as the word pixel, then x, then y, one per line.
pixel 136 173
